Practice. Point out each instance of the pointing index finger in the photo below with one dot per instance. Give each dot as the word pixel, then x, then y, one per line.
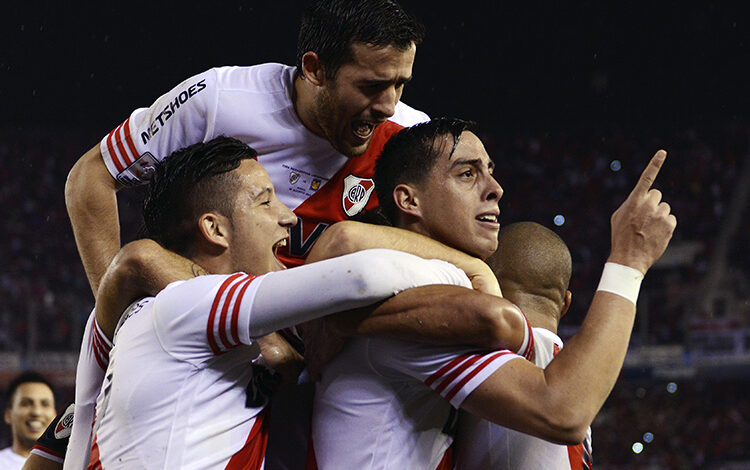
pixel 649 174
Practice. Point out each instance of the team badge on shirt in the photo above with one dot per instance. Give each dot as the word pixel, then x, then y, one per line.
pixel 293 177
pixel 65 425
pixel 357 192
pixel 315 185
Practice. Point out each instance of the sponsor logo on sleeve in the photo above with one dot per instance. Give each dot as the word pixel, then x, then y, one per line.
pixel 356 194
pixel 171 108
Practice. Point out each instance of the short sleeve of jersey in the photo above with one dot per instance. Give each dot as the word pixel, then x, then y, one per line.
pixel 204 317
pixel 451 372
pixel 181 117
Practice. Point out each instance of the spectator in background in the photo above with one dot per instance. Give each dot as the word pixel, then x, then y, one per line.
pixel 30 408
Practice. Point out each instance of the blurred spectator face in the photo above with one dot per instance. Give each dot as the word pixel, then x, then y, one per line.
pixel 30 411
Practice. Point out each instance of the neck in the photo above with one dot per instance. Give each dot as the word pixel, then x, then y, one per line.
pixel 20 449
pixel 540 311
pixel 303 99
pixel 214 264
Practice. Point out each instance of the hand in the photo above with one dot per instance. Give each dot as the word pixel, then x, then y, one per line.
pixel 642 226
pixel 482 278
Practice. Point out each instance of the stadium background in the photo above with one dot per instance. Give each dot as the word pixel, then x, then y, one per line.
pixel 571 100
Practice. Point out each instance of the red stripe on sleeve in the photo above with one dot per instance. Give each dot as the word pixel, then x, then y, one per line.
pixel 97 354
pixel 212 315
pixel 129 141
pixel 236 311
pixel 112 152
pixel 126 158
pixel 474 372
pixel 445 369
pixel 225 313
pixel 458 371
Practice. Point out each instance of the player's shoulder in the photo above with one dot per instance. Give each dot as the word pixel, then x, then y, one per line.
pixel 262 78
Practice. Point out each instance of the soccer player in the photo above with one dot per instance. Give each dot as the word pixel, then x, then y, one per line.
pixel 317 126
pixel 533 266
pixel 179 391
pixel 30 408
pixel 386 403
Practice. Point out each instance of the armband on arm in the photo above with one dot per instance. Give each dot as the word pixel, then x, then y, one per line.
pixel 54 442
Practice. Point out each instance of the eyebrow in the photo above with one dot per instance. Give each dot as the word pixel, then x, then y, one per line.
pixel 474 162
pixel 261 193
pixel 377 81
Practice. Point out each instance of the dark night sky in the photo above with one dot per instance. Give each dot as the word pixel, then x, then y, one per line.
pixel 504 63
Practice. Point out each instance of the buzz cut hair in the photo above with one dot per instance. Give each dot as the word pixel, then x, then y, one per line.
pixel 409 156
pixel 330 27
pixel 188 183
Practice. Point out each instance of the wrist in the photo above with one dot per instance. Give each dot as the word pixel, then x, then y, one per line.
pixel 621 280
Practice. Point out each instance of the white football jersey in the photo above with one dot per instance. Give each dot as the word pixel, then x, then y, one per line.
pixel 384 404
pixel 174 394
pixel 481 444
pixel 254 104
pixel 9 460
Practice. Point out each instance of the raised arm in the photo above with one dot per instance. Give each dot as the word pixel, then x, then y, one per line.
pixel 349 236
pixel 560 402
pixel 90 197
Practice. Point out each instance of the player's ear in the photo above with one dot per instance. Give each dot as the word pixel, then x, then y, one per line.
pixel 566 303
pixel 214 230
pixel 406 199
pixel 7 416
pixel 313 69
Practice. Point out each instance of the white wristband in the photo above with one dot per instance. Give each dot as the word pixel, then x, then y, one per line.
pixel 621 280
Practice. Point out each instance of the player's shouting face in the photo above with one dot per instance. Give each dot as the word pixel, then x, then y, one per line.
pixel 458 200
pixel 363 93
pixel 259 223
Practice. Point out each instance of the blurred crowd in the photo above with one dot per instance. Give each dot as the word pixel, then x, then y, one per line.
pixel 673 425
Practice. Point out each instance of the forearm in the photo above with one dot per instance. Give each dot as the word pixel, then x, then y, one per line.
pixel 585 371
pixel 442 315
pixel 90 197
pixel 348 237
pixel 340 284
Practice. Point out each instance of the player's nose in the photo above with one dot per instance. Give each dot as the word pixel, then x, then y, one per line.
pixel 385 103
pixel 493 189
pixel 287 218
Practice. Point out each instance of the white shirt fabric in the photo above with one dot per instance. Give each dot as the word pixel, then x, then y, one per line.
pixel 384 404
pixel 254 104
pixel 9 460
pixel 92 363
pixel 481 444
pixel 174 394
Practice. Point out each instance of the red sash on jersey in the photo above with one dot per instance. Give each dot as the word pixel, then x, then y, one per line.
pixel 251 456
pixel 327 206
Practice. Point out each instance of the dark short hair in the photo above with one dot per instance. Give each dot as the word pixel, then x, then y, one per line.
pixel 28 376
pixel 410 155
pixel 330 27
pixel 190 182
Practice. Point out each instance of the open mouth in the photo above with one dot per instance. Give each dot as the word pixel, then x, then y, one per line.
pixel 279 244
pixel 35 425
pixel 363 129
pixel 491 219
